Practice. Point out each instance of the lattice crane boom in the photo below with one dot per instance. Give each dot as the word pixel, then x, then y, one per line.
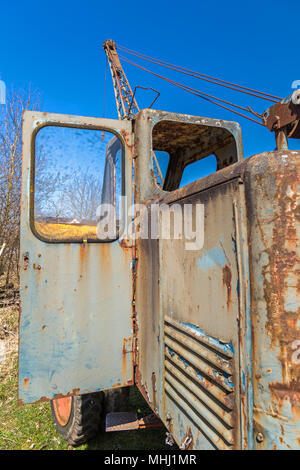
pixel 127 106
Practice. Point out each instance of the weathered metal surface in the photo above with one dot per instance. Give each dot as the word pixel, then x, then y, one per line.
pixel 126 102
pixel 163 126
pixel 273 184
pixel 285 114
pixel 188 305
pixel 76 331
pixel 213 333
pixel 244 320
pixel 197 292
pixel 170 135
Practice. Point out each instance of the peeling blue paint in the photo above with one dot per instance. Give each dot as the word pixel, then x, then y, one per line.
pixel 238 287
pixel 291 306
pixel 187 364
pixel 226 376
pixel 216 373
pixel 170 351
pixel 229 383
pixel 200 376
pixel 212 258
pixel 225 347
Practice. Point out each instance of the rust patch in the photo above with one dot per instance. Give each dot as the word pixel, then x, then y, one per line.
pixel 142 387
pixel 26 382
pixel 83 248
pixel 116 385
pixel 282 441
pixel 188 441
pixel 126 349
pixel 125 243
pixel 283 259
pixel 227 276
pixel 105 258
pixel 75 391
pixel 276 215
pixel 25 261
pixel 126 135
pixel 154 389
pixel 169 423
pixel 124 359
pixel 281 393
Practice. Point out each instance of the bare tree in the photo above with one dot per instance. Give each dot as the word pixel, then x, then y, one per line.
pixel 69 170
pixel 83 195
pixel 48 184
pixel 10 176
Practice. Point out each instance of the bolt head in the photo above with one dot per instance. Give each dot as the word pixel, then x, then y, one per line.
pixel 259 437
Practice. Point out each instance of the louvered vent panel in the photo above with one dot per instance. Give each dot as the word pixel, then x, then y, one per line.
pixel 198 378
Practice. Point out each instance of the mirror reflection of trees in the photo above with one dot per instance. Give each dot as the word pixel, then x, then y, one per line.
pixel 73 169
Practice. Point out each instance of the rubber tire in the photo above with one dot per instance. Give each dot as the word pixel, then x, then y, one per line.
pixel 85 418
pixel 87 414
pixel 116 399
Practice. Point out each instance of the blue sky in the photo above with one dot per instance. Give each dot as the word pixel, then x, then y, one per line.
pixel 56 46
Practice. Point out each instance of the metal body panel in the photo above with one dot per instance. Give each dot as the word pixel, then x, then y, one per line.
pixel 273 186
pixel 212 334
pixel 200 291
pixel 76 332
pixel 189 305
pixel 252 225
pixel 146 138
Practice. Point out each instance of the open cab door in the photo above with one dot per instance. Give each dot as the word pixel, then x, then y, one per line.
pixel 76 332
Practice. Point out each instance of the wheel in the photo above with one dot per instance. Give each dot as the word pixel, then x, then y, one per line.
pixel 78 418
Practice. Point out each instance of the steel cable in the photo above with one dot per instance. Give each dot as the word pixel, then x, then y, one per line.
pixel 215 81
pixel 198 93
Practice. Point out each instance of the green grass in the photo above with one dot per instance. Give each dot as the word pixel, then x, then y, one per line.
pixel 30 426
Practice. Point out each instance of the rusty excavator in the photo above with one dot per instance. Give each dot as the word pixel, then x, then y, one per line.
pixel 204 321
